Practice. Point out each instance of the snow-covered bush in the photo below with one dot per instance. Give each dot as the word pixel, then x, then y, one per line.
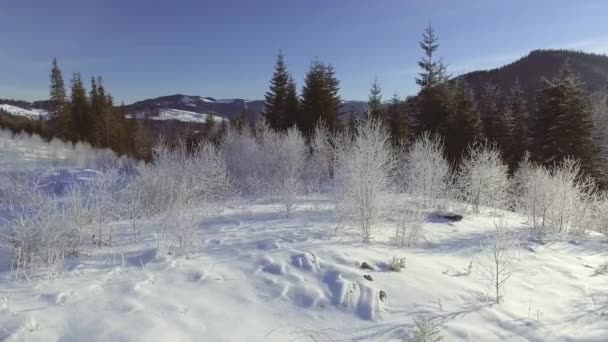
pixel 243 158
pixel 483 178
pixel 104 189
pixel 363 174
pixel 500 260
pixel 318 166
pixel 33 228
pixel 426 331
pixel 397 264
pixel 409 231
pixel 426 172
pixel 557 201
pixel 197 178
pixel 292 155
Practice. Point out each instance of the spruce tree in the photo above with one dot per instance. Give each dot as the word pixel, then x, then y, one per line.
pixel 58 104
pixel 492 116
pixel 81 129
pixel 398 123
pixel 564 125
pixel 464 121
pixel 281 102
pixel 374 102
pixel 431 105
pixel 320 98
pixel 517 125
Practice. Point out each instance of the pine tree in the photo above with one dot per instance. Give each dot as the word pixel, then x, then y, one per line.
pixel 492 116
pixel 397 116
pixel 564 125
pixel 464 121
pixel 434 72
pixel 81 129
pixel 320 98
pixel 431 107
pixel 517 124
pixel 58 104
pixel 374 102
pixel 281 102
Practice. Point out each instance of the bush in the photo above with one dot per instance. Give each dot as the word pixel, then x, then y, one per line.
pixel 363 172
pixel 483 178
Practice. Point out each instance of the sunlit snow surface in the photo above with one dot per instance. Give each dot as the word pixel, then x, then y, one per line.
pixel 258 276
pixel 18 111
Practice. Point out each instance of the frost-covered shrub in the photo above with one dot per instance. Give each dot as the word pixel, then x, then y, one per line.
pixel 363 171
pixel 500 260
pixel 397 264
pixel 426 331
pixel 199 177
pixel 483 178
pixel 35 232
pixel 426 172
pixel 409 231
pixel 318 167
pixel 558 201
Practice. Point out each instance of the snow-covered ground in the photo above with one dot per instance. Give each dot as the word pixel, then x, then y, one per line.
pixel 182 115
pixel 30 113
pixel 255 275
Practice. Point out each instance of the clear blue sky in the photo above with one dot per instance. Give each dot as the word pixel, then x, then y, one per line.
pixel 227 48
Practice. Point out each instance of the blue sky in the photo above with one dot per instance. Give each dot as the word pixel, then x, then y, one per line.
pixel 227 49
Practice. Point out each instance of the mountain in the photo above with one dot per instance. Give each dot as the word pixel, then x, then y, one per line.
pixel 225 108
pixel 31 113
pixel 529 70
pixel 229 108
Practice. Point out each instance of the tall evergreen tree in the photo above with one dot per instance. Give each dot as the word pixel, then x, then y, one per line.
pixel 320 98
pixel 398 123
pixel 431 106
pixel 281 102
pixel 374 102
pixel 564 125
pixel 81 129
pixel 517 123
pixel 434 72
pixel 58 104
pixel 491 115
pixel 464 121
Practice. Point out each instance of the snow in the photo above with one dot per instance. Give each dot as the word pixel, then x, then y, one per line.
pixel 256 275
pixel 181 115
pixel 31 113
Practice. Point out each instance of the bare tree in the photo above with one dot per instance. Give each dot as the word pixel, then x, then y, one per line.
pixel 363 172
pixel 501 259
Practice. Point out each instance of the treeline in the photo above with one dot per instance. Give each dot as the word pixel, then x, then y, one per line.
pixel 92 116
pixel 561 127
pixel 85 116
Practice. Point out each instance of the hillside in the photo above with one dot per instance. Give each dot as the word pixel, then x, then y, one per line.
pixel 529 70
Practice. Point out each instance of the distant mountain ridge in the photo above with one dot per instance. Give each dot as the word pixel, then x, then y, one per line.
pixel 529 70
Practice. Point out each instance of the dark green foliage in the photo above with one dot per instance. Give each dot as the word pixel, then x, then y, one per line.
pixel 432 101
pixel 564 126
pixel 281 102
pixel 528 70
pixel 517 126
pixel 374 103
pixel 464 122
pixel 492 115
pixel 320 98
pixel 397 116
pixel 434 72
pixel 81 128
